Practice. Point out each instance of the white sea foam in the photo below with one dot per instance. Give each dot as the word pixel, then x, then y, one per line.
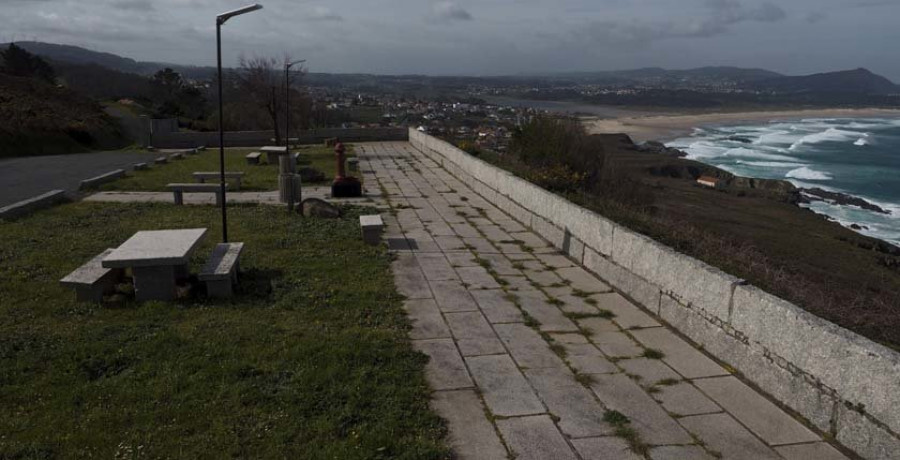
pixel 806 173
pixel 771 164
pixel 829 135
pixel 742 152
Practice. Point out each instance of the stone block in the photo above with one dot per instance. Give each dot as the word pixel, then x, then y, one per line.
pixel 639 290
pixel 864 437
pixel 426 319
pixel 859 370
pixel 697 284
pixel 685 399
pixel 24 207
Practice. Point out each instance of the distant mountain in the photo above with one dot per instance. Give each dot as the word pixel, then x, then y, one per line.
pixel 858 81
pixel 687 76
pixel 77 55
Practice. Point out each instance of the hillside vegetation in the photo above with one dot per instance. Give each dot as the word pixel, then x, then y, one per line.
pixel 40 119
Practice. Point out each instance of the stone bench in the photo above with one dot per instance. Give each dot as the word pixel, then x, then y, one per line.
pixel 221 270
pixel 372 227
pixel 101 179
pixel 179 189
pixel 253 158
pixel 161 160
pixel 273 152
pixel 141 166
pixel 91 281
pixel 232 176
pixel 177 156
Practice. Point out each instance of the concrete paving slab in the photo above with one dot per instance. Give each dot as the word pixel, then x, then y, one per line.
pixel 450 243
pixel 587 359
pixel 607 448
pixel 724 435
pixel 497 308
pixel 480 245
pixel 580 279
pixel 436 267
pixel 679 453
pixel 628 316
pixel 477 278
pixel 543 278
pixel 445 369
pixel 555 260
pixel 527 347
pixel 618 392
pixel 650 371
pixel 504 388
pixel 535 438
pixel 578 413
pixel 426 319
pixel 681 356
pixel 461 258
pixel 756 412
pixel 500 264
pixel 814 451
pixel 451 296
pixel 684 399
pixel 616 344
pixel 471 435
pixel 409 279
pixel 550 317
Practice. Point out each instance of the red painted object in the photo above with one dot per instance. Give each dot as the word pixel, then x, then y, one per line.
pixel 344 187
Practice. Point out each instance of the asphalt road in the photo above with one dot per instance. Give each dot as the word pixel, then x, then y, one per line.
pixel 25 177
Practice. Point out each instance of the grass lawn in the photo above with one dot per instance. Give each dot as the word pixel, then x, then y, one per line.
pixel 311 359
pixel 260 177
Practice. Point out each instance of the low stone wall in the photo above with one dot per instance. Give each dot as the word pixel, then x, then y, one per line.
pixel 185 140
pixel 843 383
pixel 30 205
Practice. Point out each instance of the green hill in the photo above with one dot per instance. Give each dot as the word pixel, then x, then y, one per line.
pixel 43 119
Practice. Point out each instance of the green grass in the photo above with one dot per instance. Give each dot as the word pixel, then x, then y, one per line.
pixel 311 359
pixel 260 177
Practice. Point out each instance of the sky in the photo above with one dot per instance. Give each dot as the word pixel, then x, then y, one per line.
pixel 480 37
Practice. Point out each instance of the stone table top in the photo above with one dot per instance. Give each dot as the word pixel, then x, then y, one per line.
pixel 155 248
pixel 274 149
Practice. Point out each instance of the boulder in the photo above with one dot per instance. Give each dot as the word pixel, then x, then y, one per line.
pixel 310 175
pixel 314 207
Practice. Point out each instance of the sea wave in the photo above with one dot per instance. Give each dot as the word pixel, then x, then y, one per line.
pixel 829 135
pixel 771 164
pixel 742 152
pixel 806 173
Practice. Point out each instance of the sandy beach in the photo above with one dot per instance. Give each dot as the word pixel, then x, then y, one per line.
pixel 668 127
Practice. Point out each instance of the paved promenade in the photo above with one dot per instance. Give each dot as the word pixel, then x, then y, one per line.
pixel 534 357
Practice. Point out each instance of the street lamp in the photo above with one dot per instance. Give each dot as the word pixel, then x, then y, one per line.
pixel 221 19
pixel 287 90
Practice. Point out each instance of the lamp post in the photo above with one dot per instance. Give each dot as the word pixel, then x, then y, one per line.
pixel 221 19
pixel 287 96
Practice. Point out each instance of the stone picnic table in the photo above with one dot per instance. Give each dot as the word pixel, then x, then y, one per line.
pixel 157 259
pixel 273 152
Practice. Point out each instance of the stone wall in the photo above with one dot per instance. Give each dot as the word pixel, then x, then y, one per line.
pixel 185 140
pixel 842 383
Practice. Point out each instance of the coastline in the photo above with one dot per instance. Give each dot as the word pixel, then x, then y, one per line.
pixel 668 127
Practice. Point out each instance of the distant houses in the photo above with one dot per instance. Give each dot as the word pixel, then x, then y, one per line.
pixel 709 181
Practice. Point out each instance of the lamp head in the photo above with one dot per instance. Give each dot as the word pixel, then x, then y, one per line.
pixel 220 19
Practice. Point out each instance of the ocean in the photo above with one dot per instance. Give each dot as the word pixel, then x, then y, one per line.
pixel 858 156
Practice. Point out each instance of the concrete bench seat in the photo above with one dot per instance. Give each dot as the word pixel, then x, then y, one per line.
pixel 91 281
pixel 372 227
pixel 177 156
pixel 221 270
pixel 101 179
pixel 141 167
pixel 179 189
pixel 232 176
pixel 253 158
pixel 161 160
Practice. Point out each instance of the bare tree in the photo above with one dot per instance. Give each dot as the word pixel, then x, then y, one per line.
pixel 260 84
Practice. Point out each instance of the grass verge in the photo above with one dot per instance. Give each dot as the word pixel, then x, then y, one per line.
pixel 310 360
pixel 262 177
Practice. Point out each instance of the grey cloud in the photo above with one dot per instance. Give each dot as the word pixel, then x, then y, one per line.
pixel 322 13
pixel 450 11
pixel 814 17
pixel 134 5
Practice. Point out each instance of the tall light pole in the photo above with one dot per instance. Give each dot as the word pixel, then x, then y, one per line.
pixel 287 103
pixel 221 19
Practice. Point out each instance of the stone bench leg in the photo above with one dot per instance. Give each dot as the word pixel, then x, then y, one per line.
pixel 154 283
pixel 237 183
pixel 201 180
pixel 218 198
pixel 221 288
pixel 179 197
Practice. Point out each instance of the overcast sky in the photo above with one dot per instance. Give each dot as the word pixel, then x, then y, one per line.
pixel 483 37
